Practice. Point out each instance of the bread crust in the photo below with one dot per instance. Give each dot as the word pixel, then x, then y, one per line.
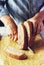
pixel 29 28
pixel 16 54
pixel 22 36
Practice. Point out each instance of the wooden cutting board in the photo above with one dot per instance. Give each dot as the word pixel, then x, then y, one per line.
pixel 36 58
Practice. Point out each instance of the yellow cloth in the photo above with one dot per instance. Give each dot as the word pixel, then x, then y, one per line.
pixel 33 58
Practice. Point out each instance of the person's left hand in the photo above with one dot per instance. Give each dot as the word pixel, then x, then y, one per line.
pixel 11 26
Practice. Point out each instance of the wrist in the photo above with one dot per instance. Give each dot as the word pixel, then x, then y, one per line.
pixel 39 15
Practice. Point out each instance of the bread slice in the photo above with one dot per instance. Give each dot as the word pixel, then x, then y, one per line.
pixel 15 53
pixel 29 28
pixel 22 36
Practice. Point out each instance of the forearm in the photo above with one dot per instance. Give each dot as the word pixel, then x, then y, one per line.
pixel 3 19
pixel 39 15
pixel 8 21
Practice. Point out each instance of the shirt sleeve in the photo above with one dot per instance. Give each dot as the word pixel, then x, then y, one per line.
pixel 3 10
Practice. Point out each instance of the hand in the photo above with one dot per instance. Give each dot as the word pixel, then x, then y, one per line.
pixel 12 27
pixel 13 37
pixel 37 21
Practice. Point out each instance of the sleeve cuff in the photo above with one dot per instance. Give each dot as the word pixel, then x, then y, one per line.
pixel 3 11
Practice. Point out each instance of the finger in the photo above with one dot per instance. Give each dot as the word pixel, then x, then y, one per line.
pixel 39 29
pixel 10 35
pixel 35 27
pixel 16 37
pixel 40 25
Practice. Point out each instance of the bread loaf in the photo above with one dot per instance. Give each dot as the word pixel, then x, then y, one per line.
pixel 29 29
pixel 22 36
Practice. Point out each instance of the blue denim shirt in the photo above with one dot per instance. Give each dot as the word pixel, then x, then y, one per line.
pixel 20 10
